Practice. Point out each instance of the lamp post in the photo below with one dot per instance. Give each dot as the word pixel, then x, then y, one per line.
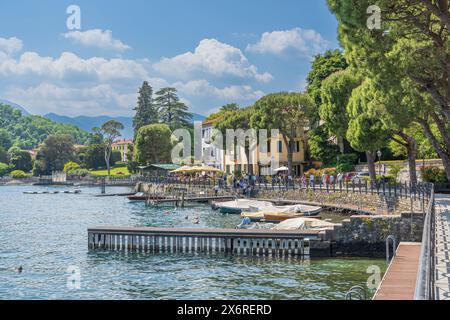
pixel 379 161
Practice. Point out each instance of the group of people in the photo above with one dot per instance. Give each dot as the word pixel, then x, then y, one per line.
pixel 244 183
pixel 325 179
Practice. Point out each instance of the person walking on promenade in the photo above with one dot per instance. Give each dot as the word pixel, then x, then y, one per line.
pixel 303 181
pixel 324 179
pixel 312 178
pixel 340 176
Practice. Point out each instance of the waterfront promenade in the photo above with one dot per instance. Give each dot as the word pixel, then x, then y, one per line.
pixel 442 220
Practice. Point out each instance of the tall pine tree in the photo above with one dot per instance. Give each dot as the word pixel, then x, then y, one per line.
pixel 146 111
pixel 171 111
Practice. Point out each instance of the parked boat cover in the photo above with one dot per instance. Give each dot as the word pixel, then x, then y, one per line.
pixel 303 224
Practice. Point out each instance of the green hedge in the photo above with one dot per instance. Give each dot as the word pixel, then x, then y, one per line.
pixel 18 174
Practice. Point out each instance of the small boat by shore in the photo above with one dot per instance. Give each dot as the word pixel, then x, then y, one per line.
pixel 140 196
pixel 277 214
pixel 240 205
pixel 304 224
pixel 288 225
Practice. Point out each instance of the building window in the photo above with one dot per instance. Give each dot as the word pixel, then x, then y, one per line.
pixel 297 146
pixel 280 146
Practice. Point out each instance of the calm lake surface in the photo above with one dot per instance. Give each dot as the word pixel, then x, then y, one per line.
pixel 46 234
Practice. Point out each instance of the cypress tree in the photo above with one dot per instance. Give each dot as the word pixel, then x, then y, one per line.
pixel 172 111
pixel 146 111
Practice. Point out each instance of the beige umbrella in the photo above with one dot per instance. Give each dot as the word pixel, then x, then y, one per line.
pixel 209 169
pixel 183 169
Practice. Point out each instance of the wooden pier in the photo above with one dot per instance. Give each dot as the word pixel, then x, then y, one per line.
pixel 181 201
pixel 196 240
pixel 399 282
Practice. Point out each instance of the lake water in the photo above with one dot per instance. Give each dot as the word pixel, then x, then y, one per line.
pixel 46 234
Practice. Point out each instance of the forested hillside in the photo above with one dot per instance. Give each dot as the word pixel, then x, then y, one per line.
pixel 27 132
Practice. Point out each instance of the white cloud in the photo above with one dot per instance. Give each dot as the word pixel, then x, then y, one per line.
pixel 97 100
pixel 71 85
pixel 11 45
pixel 69 65
pixel 231 93
pixel 97 38
pixel 211 57
pixel 304 42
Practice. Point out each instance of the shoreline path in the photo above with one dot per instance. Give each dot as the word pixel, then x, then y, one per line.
pixel 442 283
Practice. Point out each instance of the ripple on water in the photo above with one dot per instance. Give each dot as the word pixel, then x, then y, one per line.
pixel 47 233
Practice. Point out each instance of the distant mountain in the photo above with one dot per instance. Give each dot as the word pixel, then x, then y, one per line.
pixel 87 123
pixel 198 117
pixel 15 106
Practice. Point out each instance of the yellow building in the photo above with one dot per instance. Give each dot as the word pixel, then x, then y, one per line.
pixel 237 162
pixel 122 146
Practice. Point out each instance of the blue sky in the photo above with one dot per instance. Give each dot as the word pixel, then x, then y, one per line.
pixel 214 52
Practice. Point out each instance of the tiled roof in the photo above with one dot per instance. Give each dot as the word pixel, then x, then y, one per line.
pixel 123 142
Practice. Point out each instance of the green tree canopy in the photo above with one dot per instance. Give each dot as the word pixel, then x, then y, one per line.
pixel 410 51
pixel 320 147
pixel 335 93
pixel 21 159
pixel 30 131
pixel 322 67
pixel 153 145
pixel 172 111
pixel 3 155
pixel 110 131
pixel 5 139
pixel 366 131
pixel 146 110
pixel 54 153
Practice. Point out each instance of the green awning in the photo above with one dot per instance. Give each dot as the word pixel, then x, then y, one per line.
pixel 165 167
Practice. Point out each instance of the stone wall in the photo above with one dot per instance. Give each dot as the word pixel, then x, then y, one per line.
pixel 369 203
pixel 366 236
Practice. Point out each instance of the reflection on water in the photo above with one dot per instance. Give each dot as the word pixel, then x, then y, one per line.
pixel 47 233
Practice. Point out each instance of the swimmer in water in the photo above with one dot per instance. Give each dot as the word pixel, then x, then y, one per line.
pixel 19 269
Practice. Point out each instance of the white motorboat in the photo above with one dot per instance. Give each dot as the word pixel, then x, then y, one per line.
pixel 240 205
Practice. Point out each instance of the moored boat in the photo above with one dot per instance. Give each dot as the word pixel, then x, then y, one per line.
pixel 240 205
pixel 304 224
pixel 140 196
pixel 277 214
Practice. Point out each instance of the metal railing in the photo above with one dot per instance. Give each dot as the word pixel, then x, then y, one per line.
pixel 425 276
pixel 419 191
pixel 358 291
